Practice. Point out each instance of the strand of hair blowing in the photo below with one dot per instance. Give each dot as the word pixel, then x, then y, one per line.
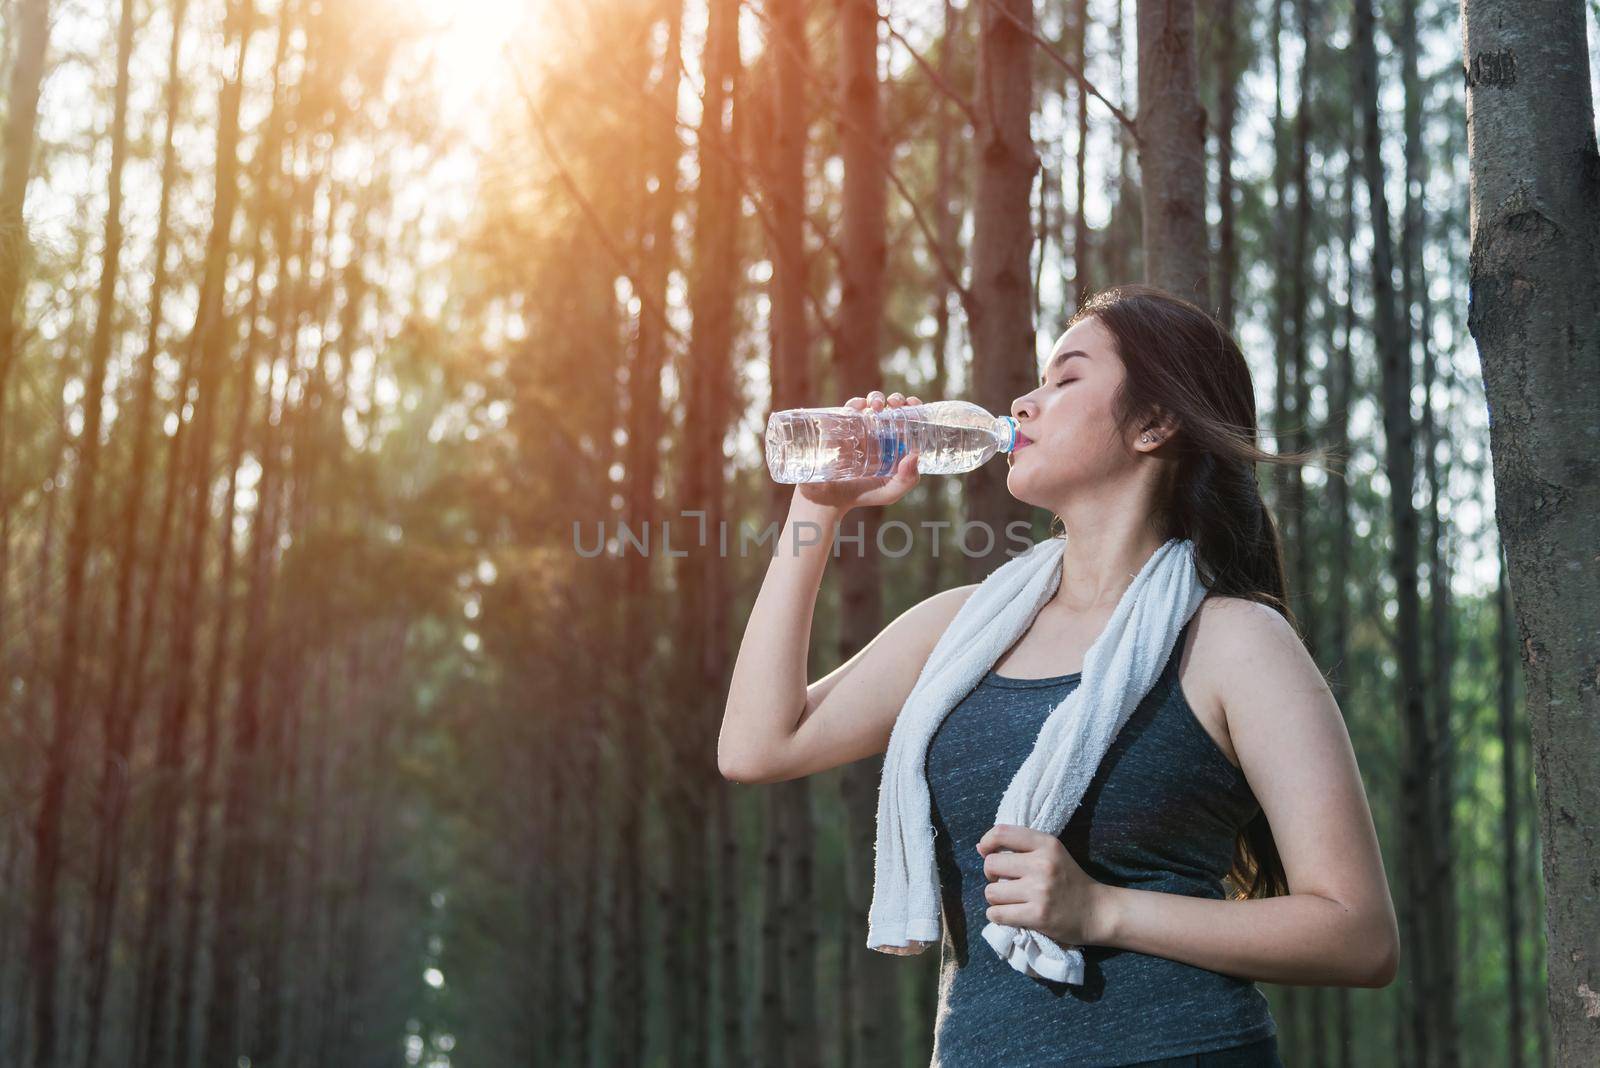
pixel 1182 362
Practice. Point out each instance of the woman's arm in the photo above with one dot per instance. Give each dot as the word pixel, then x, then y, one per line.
pixel 774 726
pixel 1335 927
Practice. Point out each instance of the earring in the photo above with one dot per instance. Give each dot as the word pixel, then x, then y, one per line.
pixel 1145 439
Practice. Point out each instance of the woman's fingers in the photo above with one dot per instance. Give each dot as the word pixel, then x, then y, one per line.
pixel 877 400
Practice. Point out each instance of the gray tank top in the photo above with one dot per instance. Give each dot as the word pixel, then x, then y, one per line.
pixel 1161 813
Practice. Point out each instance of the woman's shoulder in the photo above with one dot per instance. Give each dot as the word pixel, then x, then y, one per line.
pixel 1227 612
pixel 1234 642
pixel 1227 633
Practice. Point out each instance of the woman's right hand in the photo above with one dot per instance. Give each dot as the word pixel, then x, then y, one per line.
pixel 867 492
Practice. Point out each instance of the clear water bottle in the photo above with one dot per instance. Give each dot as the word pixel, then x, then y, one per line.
pixel 834 444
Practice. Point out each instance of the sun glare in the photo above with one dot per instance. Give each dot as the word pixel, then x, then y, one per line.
pixel 466 46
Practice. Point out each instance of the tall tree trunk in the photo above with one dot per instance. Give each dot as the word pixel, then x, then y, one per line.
pixel 43 940
pixel 1301 550
pixel 790 938
pixel 644 429
pixel 777 1028
pixel 1339 492
pixel 1084 278
pixel 1535 196
pixel 947 226
pixel 1227 117
pixel 703 611
pixel 238 842
pixel 1123 255
pixel 209 340
pixel 876 1030
pixel 65 727
pixel 1442 914
pixel 1004 364
pixel 1400 464
pixel 1281 412
pixel 31 29
pixel 1172 152
pixel 111 794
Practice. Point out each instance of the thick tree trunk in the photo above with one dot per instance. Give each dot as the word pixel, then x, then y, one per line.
pixel 1172 152
pixel 1535 196
pixel 1004 363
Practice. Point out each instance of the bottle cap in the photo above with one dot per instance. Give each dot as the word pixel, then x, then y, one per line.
pixel 1010 430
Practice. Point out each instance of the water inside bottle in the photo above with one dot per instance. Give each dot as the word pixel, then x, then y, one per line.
pixel 831 444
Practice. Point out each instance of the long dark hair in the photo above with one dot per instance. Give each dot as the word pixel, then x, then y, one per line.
pixel 1182 362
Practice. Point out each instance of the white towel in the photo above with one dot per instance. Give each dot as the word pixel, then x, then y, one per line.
pixel 1118 671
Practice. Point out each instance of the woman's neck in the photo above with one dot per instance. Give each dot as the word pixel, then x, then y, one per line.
pixel 1107 543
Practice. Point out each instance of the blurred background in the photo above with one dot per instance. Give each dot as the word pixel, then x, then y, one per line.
pixel 333 329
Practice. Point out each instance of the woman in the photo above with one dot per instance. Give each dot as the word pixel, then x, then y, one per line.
pixel 1225 837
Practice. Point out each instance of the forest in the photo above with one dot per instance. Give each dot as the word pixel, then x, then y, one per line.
pixel 351 352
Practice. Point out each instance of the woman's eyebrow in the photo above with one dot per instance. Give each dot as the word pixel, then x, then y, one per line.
pixel 1060 358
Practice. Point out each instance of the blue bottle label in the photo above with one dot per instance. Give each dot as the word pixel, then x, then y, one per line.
pixel 892 448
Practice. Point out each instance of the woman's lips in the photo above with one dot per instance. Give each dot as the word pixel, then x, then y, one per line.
pixel 1022 441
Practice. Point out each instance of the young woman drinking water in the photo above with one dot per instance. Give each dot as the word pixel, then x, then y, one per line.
pixel 1225 835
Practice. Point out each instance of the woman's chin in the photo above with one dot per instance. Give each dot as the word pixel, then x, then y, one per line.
pixel 1025 485
pixel 1022 487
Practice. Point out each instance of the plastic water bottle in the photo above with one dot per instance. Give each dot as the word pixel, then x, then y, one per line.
pixel 834 444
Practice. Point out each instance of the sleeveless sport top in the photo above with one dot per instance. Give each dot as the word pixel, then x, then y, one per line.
pixel 1161 813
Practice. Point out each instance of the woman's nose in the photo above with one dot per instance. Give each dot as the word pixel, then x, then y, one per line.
pixel 1022 409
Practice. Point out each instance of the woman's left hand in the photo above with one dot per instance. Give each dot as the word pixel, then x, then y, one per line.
pixel 1035 883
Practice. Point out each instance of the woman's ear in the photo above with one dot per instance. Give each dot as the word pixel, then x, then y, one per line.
pixel 1156 431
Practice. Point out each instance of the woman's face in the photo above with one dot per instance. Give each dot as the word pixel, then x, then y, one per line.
pixel 1072 442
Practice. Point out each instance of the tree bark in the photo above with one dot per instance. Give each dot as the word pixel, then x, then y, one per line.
pixel 1228 107
pixel 1172 152
pixel 1535 277
pixel 1004 363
